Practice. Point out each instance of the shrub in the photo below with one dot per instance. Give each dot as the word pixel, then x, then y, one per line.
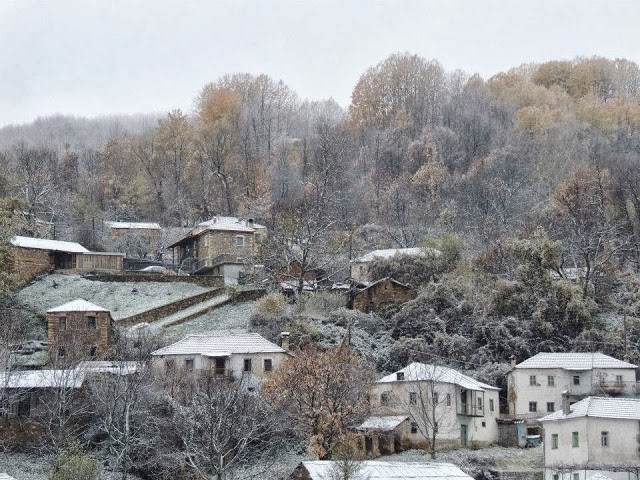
pixel 273 304
pixel 73 464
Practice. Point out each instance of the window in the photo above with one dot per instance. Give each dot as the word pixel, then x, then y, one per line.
pixel 604 439
pixel 533 406
pixel 555 476
pixel 575 439
pixel 448 399
pixel 435 398
pixel 484 424
pixel 414 427
pixel 240 241
pixel 247 365
pixel 619 379
pixel 551 407
pixel 189 363
pixel 551 381
pixel 268 364
pixel 435 427
pixel 61 352
pixel 93 351
pixel 384 398
pixel 62 323
pixel 576 476
pixel 532 380
pixel 554 441
pixel 413 398
pixel 576 379
pixel 91 323
pixel 169 364
pixel 479 403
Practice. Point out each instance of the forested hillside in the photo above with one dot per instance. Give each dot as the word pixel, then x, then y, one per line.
pixel 531 178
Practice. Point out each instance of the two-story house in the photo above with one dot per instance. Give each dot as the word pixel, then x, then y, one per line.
pixel 593 437
pixel 220 246
pixel 247 356
pixel 462 410
pixel 535 386
pixel 360 265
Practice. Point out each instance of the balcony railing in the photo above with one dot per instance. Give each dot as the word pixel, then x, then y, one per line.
pixel 470 410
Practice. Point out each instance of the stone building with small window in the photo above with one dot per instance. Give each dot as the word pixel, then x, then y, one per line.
pixel 78 330
pixel 247 356
pixel 221 246
pixel 535 386
pixel 595 437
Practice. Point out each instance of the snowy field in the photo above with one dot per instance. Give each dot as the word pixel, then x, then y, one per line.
pixel 233 316
pixel 121 298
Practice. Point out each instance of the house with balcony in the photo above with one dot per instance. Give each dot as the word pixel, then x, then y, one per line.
pixel 597 437
pixel 462 410
pixel 246 356
pixel 221 246
pixel 535 386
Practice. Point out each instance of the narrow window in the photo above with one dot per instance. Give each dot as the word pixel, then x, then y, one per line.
pixel 604 439
pixel 91 323
pixel 551 381
pixel 554 441
pixel 619 379
pixel 384 398
pixel 556 476
pixel 575 439
pixel 169 365
pixel 576 379
pixel 479 403
pixel 240 241
pixel 532 380
pixel 189 364
pixel 247 364
pixel 533 406
pixel 576 476
pixel 435 398
pixel 61 352
pixel 484 424
pixel 491 406
pixel 413 398
pixel 414 427
pixel 268 364
pixel 551 407
pixel 448 399
pixel 62 323
pixel 93 351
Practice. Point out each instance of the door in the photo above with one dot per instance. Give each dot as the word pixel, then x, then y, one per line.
pixel 220 364
pixel 368 445
pixel 464 431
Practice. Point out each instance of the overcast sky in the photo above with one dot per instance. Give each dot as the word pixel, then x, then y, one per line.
pixel 97 57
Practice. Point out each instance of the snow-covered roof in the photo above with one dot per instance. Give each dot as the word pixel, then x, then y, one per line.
pixel 4 476
pixel 392 252
pixel 134 225
pixel 78 305
pixel 369 285
pixel 573 361
pixel 116 367
pixel 42 379
pixel 379 470
pixel 417 372
pixel 45 244
pixel 598 476
pixel 385 424
pixel 230 223
pixel 220 345
pixel 600 407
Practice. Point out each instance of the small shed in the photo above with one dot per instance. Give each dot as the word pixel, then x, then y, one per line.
pixel 378 294
pixel 512 433
pixel 384 435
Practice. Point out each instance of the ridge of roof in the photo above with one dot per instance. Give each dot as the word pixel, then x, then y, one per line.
pixel 220 344
pixel 417 372
pixel 77 305
pixel 573 361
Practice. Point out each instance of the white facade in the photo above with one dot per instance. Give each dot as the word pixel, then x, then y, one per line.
pixel 464 409
pixel 535 386
pixel 598 432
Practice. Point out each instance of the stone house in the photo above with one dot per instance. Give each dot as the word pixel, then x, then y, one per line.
pixel 384 435
pixel 148 233
pixel 535 386
pixel 378 294
pixel 220 246
pixel 246 356
pixel 379 470
pixel 597 436
pixel 78 330
pixel 360 265
pixel 463 410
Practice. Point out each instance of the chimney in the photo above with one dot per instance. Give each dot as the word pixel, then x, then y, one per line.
pixel 284 340
pixel 566 408
pixel 250 222
pixel 399 375
pixel 514 361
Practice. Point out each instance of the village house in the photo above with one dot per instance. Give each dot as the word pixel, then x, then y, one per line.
pixel 535 386
pixel 597 436
pixel 246 356
pixel 149 234
pixel 376 295
pixel 35 256
pixel 221 246
pixel 78 330
pixel 378 470
pixel 360 265
pixel 462 409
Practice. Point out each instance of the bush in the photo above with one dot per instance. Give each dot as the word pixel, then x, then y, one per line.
pixel 73 464
pixel 273 304
pixel 323 303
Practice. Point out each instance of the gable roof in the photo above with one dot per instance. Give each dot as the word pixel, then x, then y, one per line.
pixel 230 223
pixel 45 244
pixel 417 372
pixel 600 407
pixel 573 361
pixel 220 345
pixel 42 379
pixel 392 252
pixel 385 423
pixel 379 470
pixel 134 225
pixel 78 305
pixel 377 282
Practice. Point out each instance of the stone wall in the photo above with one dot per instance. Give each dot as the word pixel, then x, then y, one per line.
pixel 28 263
pixel 214 243
pixel 382 293
pixel 211 281
pixel 78 337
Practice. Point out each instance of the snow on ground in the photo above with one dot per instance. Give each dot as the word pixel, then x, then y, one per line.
pixel 121 298
pixel 228 317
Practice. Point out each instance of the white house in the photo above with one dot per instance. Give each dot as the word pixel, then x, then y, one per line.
pixel 463 410
pixel 379 470
pixel 235 355
pixel 597 436
pixel 360 265
pixel 535 386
